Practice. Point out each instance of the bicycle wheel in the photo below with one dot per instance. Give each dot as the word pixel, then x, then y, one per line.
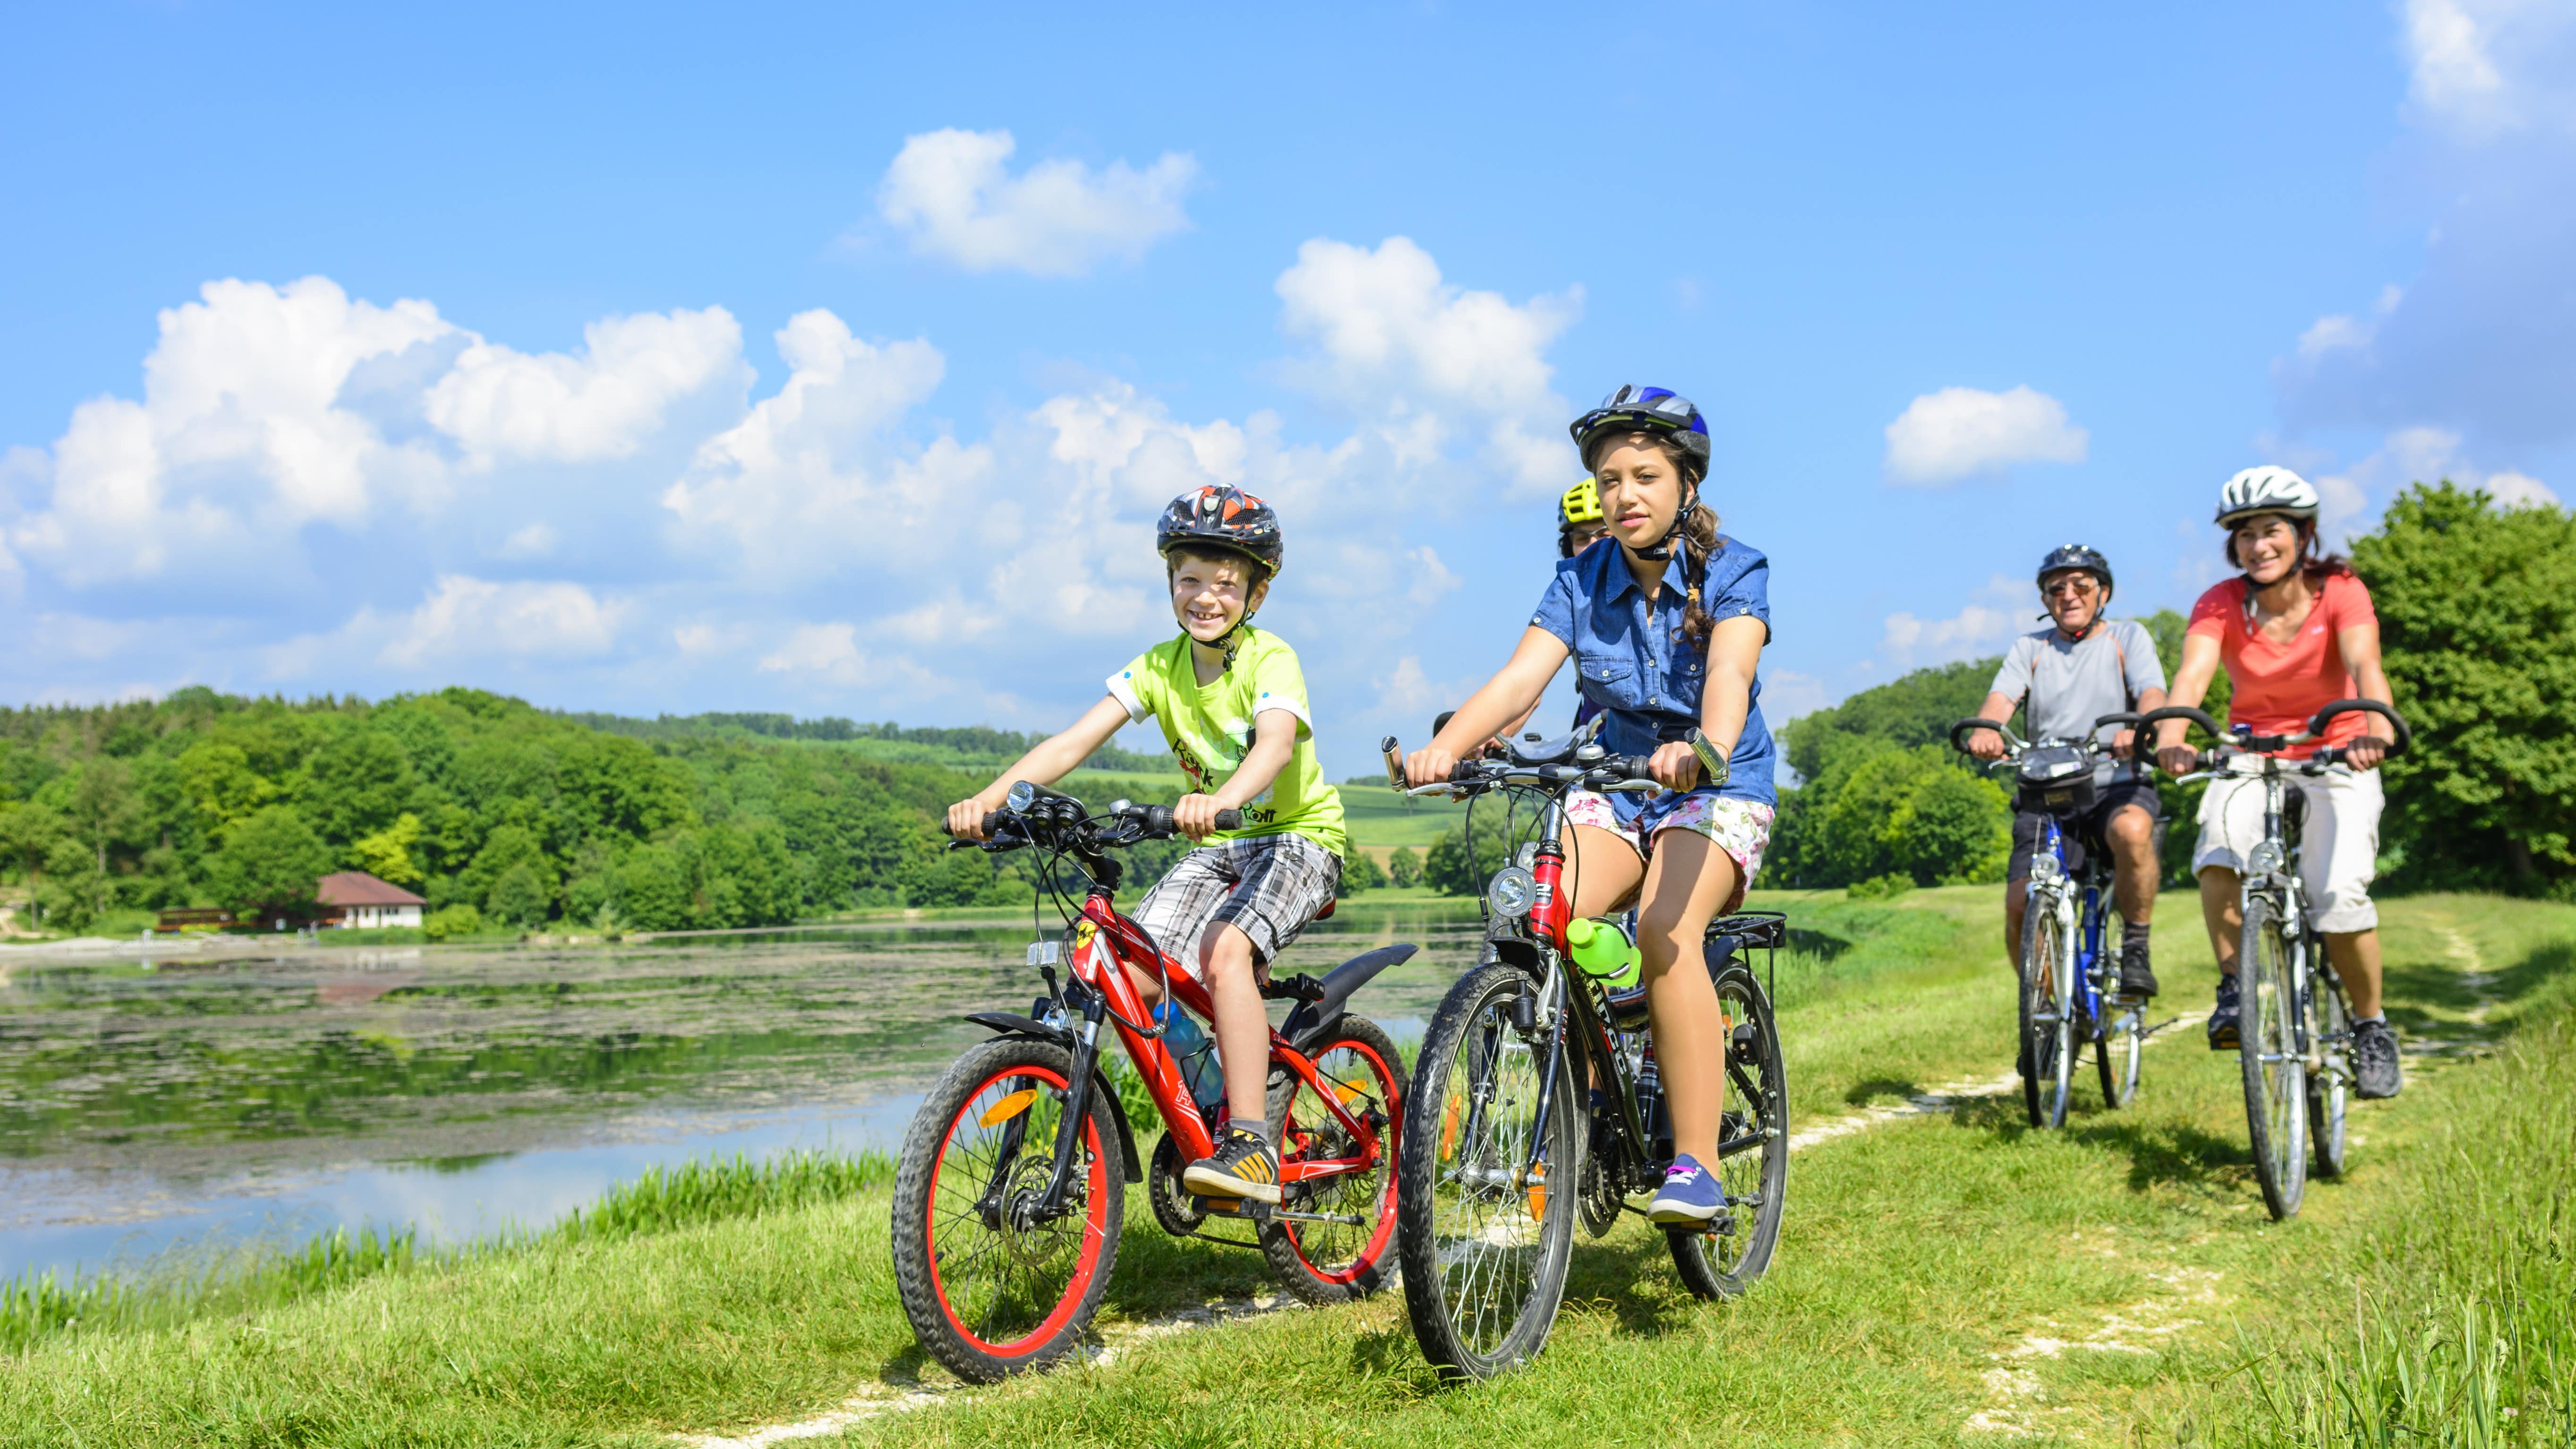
pixel 1752 1151
pixel 2268 1051
pixel 2330 1086
pixel 2117 1044
pixel 1483 1241
pixel 2046 1030
pixel 991 1288
pixel 1334 1262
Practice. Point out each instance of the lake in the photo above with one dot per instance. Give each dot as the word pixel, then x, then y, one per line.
pixel 274 1091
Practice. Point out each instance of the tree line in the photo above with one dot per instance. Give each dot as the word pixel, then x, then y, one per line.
pixel 2477 611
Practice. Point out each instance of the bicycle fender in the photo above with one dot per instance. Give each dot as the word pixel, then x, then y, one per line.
pixel 1308 1024
pixel 1008 1024
pixel 1012 1024
pixel 1126 1131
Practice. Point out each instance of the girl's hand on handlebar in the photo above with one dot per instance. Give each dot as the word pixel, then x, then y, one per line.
pixel 1430 765
pixel 966 819
pixel 1675 766
pixel 2177 760
pixel 2366 752
pixel 1195 817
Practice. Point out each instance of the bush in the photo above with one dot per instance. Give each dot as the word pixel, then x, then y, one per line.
pixel 451 922
pixel 1403 868
pixel 1446 868
pixel 1360 872
pixel 1880 887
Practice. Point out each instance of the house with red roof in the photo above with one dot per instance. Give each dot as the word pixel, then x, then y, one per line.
pixel 355 900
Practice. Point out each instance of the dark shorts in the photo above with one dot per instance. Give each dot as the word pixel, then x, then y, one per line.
pixel 2082 833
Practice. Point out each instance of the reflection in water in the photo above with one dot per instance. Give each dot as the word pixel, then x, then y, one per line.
pixel 461 1091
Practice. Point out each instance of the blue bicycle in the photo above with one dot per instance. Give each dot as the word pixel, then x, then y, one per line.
pixel 2070 986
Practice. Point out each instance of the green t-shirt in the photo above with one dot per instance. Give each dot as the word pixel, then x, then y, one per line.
pixel 1210 728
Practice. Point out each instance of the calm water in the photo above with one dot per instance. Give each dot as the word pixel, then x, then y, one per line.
pixel 146 1105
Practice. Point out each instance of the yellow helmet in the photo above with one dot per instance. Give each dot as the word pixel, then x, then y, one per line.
pixel 1580 505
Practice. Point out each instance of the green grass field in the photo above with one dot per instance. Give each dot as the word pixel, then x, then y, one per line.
pixel 1944 1278
pixel 1379 819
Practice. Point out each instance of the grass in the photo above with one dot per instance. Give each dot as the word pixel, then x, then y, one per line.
pixel 2114 1282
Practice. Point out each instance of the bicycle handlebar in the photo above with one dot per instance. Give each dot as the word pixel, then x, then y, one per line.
pixel 2227 744
pixel 2405 736
pixel 1970 726
pixel 1011 829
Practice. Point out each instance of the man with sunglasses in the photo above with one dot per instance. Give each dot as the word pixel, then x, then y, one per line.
pixel 2070 674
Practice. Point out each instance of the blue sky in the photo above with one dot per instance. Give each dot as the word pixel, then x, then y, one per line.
pixel 837 362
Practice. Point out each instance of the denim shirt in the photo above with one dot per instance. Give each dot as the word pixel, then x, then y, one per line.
pixel 1639 671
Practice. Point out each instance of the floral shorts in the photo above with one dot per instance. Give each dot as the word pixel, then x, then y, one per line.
pixel 1741 828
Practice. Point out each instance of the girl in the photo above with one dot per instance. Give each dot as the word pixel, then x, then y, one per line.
pixel 2296 632
pixel 1665 631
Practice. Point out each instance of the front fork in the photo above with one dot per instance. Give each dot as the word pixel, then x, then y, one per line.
pixel 995 1205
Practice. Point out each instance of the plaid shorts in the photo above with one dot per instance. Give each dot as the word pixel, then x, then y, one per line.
pixel 1267 886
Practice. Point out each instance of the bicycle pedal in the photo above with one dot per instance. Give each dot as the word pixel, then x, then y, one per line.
pixel 1224 1207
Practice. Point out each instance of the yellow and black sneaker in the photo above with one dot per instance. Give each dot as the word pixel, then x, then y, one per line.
pixel 1243 1165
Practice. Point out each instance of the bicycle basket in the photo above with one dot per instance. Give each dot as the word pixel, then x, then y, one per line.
pixel 2054 780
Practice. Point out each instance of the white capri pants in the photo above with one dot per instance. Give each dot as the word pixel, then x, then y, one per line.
pixel 2339 850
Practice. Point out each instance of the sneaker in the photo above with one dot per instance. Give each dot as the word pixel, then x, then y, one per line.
pixel 2374 1060
pixel 2137 976
pixel 1243 1165
pixel 2222 1017
pixel 1690 1194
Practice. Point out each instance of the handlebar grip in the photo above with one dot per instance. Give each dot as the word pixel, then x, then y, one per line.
pixel 2143 748
pixel 1629 767
pixel 1969 726
pixel 991 825
pixel 2317 726
pixel 1158 819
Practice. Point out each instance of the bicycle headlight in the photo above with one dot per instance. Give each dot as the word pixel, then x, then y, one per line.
pixel 1511 891
pixel 2045 867
pixel 2265 858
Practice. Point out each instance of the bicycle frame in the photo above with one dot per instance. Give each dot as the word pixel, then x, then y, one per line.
pixel 2091 914
pixel 1105 943
pixel 2289 895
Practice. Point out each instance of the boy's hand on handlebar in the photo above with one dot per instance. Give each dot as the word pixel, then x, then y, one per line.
pixel 1195 817
pixel 1986 744
pixel 966 819
pixel 2366 752
pixel 1430 765
pixel 1675 766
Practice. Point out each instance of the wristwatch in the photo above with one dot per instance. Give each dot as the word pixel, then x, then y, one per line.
pixel 1711 762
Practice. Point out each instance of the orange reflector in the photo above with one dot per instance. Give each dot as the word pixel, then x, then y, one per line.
pixel 1538 1195
pixel 1449 1130
pixel 1008 1108
pixel 1347 1094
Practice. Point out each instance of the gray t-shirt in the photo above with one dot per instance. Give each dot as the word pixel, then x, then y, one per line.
pixel 2065 686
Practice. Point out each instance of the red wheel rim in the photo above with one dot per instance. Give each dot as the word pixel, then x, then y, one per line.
pixel 1093 1223
pixel 1382 1080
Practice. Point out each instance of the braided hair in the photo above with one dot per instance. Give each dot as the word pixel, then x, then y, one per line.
pixel 1696 532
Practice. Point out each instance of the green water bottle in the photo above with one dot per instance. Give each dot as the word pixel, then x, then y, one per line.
pixel 1603 951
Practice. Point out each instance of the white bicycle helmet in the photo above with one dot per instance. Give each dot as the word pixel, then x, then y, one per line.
pixel 2266 490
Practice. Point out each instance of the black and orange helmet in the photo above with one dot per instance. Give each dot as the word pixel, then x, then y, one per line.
pixel 1221 517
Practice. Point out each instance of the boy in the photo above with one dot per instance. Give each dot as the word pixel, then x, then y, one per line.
pixel 1232 701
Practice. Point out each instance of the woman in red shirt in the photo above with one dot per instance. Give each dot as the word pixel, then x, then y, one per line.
pixel 2296 632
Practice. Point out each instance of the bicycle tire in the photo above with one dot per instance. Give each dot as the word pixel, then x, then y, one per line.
pixel 2275 1106
pixel 1510 1234
pixel 2330 1087
pixel 1327 1263
pixel 1723 1263
pixel 2117 1047
pixel 2044 1035
pixel 1030 1292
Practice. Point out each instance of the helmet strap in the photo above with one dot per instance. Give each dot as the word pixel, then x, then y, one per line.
pixel 1663 547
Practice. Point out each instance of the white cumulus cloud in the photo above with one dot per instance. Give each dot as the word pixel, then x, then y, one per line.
pixel 1962 432
pixel 468 617
pixel 1422 357
pixel 1986 623
pixel 952 194
pixel 497 402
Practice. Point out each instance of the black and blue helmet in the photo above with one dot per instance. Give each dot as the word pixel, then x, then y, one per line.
pixel 1645 409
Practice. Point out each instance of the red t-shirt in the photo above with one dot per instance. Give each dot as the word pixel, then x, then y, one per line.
pixel 2280 687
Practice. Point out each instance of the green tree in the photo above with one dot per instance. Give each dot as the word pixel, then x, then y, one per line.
pixel 1404 868
pixel 509 848
pixel 1361 872
pixel 1447 868
pixel 75 891
pixel 271 859
pixel 2477 618
pixel 357 785
pixel 217 781
pixel 388 854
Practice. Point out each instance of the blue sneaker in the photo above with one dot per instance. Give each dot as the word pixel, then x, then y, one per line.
pixel 1690 1194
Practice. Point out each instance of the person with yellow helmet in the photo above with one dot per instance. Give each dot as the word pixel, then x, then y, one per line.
pixel 1579 523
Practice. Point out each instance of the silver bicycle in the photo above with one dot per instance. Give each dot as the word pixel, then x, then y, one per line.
pixel 2294 1032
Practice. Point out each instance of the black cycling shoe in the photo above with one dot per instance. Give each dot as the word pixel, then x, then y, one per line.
pixel 2137 976
pixel 2374 1060
pixel 2222 1017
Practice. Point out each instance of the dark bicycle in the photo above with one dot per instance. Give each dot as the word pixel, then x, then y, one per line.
pixel 2070 985
pixel 2294 1028
pixel 1009 1196
pixel 1499 1151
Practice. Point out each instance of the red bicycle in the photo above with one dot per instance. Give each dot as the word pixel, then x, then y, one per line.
pixel 1011 1190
